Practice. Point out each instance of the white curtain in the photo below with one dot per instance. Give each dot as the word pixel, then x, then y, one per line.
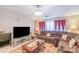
pixel 49 25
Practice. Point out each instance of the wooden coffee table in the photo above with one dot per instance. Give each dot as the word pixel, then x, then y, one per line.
pixel 33 49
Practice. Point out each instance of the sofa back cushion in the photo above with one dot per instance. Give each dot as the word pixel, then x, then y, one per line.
pixel 56 33
pixel 64 37
pixel 71 35
pixel 77 38
pixel 48 34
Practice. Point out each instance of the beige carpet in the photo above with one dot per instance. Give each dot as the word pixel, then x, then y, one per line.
pixel 48 48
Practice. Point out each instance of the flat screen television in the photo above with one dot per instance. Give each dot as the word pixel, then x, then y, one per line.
pixel 20 31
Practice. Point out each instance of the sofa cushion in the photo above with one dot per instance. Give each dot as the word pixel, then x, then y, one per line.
pixel 73 49
pixel 72 43
pixel 63 45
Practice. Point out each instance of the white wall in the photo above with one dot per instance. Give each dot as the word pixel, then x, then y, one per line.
pixel 8 20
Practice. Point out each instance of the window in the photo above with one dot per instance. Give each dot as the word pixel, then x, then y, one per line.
pixel 52 25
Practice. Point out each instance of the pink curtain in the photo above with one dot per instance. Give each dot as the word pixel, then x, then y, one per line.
pixel 42 26
pixel 55 23
pixel 63 24
pixel 59 23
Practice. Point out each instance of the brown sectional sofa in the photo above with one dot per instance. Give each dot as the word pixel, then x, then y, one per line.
pixel 55 38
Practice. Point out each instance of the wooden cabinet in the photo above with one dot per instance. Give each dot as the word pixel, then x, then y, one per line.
pixel 5 38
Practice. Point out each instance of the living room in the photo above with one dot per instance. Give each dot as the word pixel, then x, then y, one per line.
pixel 41 28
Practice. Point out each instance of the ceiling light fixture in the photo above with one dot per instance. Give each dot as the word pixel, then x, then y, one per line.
pixel 38 12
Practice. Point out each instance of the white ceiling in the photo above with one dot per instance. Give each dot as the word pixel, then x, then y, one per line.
pixel 48 10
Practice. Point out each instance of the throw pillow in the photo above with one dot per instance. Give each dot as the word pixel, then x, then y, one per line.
pixel 72 43
pixel 48 34
pixel 64 37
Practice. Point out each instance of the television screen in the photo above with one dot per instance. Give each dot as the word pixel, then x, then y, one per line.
pixel 20 31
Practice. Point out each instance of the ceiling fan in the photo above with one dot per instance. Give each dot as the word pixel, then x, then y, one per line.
pixel 38 11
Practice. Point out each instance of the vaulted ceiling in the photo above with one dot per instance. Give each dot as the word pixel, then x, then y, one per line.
pixel 48 10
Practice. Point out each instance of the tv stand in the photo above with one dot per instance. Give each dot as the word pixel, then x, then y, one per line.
pixel 18 41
